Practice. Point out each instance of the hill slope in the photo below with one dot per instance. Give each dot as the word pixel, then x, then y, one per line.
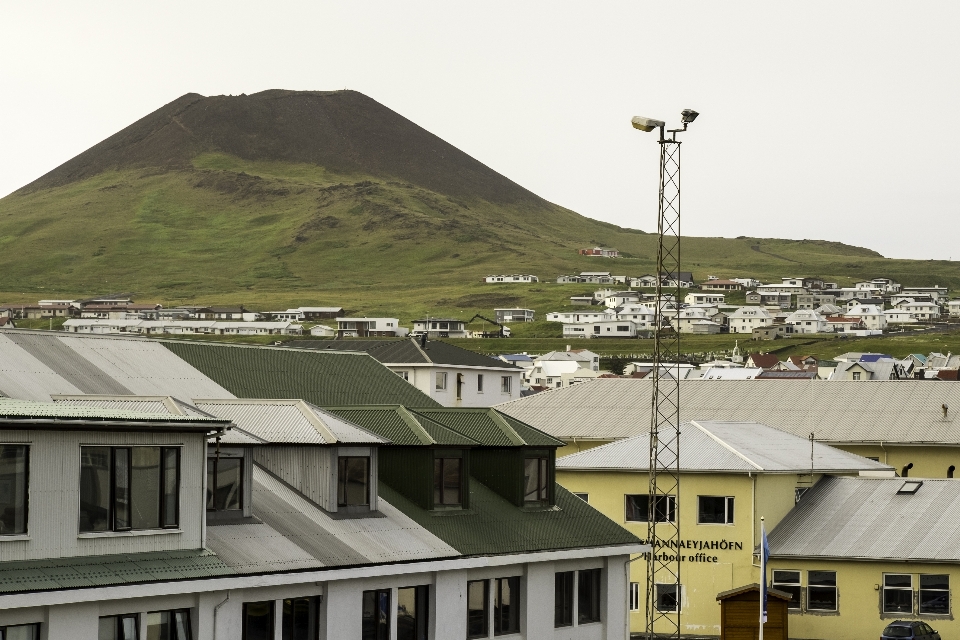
pixel 295 197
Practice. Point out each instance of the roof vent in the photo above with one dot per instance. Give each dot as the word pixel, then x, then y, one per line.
pixel 910 486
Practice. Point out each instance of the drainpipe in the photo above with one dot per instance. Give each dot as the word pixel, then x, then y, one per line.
pixel 215 610
pixel 753 518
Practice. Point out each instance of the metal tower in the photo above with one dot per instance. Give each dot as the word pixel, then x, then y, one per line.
pixel 663 596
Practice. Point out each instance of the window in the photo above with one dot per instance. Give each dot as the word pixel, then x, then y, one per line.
pixel 535 474
pixel 376 615
pixel 583 496
pixel 404 374
pixel 477 609
pixel 897 593
pixel 123 627
pixel 506 606
pixel 935 594
pixel 788 582
pixel 506 384
pixel 666 598
pixel 14 465
pixel 479 383
pixel 20 632
pixel 821 590
pixel 123 488
pixel 224 484
pixel 637 508
pixel 447 482
pixel 634 596
pixel 412 613
pixel 258 620
pixel 175 625
pixel 714 510
pixel 299 619
pixel 353 481
pixel 441 381
pixel 563 599
pixel 588 596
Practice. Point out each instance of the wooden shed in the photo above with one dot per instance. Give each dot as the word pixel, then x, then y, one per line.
pixel 740 614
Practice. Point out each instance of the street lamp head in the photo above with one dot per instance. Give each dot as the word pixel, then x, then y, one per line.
pixel 688 115
pixel 646 124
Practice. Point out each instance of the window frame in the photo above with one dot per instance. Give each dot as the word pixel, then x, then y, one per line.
pixel 728 510
pixel 921 590
pixel 670 510
pixel 678 597
pixel 543 479
pixel 592 578
pixel 35 625
pixel 288 620
pixel 634 596
pixel 443 459
pixel 342 500
pixel 25 497
pixel 811 588
pixel 421 614
pixel 564 601
pixel 377 593
pixel 211 491
pixel 780 584
pixel 118 624
pixel 485 608
pixel 188 627
pixel 884 589
pixel 513 611
pixel 440 381
pixel 506 384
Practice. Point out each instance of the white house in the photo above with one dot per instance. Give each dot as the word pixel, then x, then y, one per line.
pixel 364 327
pixel 954 308
pixel 440 328
pixel 871 315
pixel 620 298
pixel 936 293
pixel 604 329
pixel 695 320
pixel 921 311
pixel 644 281
pixel 513 278
pixel 579 317
pixel 322 331
pixel 704 298
pixel 640 314
pixel 806 321
pixel 513 315
pixel 783 287
pixel 746 319
pixel 884 285
pixel 898 316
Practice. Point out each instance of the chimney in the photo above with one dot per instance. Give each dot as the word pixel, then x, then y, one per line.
pixel 568 347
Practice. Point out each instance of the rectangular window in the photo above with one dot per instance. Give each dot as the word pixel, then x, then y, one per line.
pixel 299 619
pixel 447 481
pixel 634 596
pixel 788 582
pixel 123 488
pixel 714 510
pixel 14 467
pixel 353 481
pixel 583 496
pixel 404 374
pixel 935 594
pixel 376 615
pixel 637 508
pixel 175 625
pixel 21 632
pixel 821 590
pixel 588 596
pixel 441 381
pixel 412 613
pixel 506 606
pixel 477 626
pixel 563 599
pixel 479 383
pixel 535 478
pixel 667 599
pixel 897 593
pixel 123 627
pixel 506 384
pixel 224 484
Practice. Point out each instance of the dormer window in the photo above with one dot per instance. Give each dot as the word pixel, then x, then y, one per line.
pixel 447 482
pixel 13 496
pixel 535 480
pixel 224 484
pixel 353 481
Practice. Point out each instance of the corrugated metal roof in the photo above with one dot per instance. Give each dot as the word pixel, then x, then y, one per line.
pixel 23 410
pixel 724 447
pixel 295 534
pixel 400 426
pixel 148 404
pixel 905 411
pixel 287 421
pixel 408 351
pixel 489 427
pixel 102 571
pixel 865 518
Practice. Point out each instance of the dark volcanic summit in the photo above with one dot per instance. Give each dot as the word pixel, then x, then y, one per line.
pixel 343 131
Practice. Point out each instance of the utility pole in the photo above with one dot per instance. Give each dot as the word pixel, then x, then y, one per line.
pixel 663 596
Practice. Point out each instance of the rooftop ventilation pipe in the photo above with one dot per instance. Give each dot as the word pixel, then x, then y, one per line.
pixel 950 471
pixel 906 470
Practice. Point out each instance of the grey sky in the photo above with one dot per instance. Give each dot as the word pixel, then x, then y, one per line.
pixel 830 120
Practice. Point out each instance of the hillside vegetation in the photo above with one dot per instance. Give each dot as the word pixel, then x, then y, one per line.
pixel 287 198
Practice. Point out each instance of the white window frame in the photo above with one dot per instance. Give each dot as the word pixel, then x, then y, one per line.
pixel 728 507
pixel 506 385
pixel 479 383
pixel 634 596
pixel 679 594
pixel 440 381
pixel 884 588
pixel 775 583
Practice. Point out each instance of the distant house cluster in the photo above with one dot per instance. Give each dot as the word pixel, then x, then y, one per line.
pixel 599 252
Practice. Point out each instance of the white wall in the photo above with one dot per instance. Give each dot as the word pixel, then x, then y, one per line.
pixel 424 379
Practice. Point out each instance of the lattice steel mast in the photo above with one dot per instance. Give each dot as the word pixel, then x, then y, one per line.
pixel 663 521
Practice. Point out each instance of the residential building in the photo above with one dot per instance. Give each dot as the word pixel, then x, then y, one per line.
pixel 583 300
pixel 370 327
pixel 677 279
pixel 792 289
pixel 844 324
pixel 582 317
pixel 601 252
pixel 746 319
pixel 451 376
pixel 921 311
pixel 721 285
pixel 695 320
pixel 871 315
pixel 748 283
pixel 733 472
pixel 157 327
pixel 603 329
pixel 881 369
pixel 641 315
pixel 620 298
pixel 322 331
pixel 729 373
pixel 704 298
pixel 778 300
pixel 886 286
pixel 936 293
pixel 646 281
pixel 592 277
pixel 306 314
pixel 953 307
pixel 814 300
pixel 440 328
pixel 7 322
pixel 896 316
pixel 765 361
pixel 807 321
pixel 512 278
pixel 513 315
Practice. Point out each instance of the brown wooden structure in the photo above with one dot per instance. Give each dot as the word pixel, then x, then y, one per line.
pixel 740 614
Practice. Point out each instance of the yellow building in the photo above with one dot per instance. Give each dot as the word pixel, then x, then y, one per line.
pixel 731 475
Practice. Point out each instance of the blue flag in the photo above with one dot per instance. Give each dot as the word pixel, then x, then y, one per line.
pixel 764 557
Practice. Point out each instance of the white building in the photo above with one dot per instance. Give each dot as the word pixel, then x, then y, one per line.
pixel 896 316
pixel 792 289
pixel 704 298
pixel 644 281
pixel 322 331
pixel 954 308
pixel 806 321
pixel 695 320
pixel 620 298
pixel 921 311
pixel 364 327
pixel 513 278
pixel 746 319
pixel 871 315
pixel 513 315
pixel 936 293
pixel 640 314
pixel 581 317
pixel 156 327
pixel 605 329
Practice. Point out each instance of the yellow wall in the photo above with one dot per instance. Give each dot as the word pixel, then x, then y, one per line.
pixel 576 446
pixel 929 461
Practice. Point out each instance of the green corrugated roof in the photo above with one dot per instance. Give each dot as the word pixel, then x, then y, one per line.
pixel 407 351
pixel 489 427
pixel 400 426
pixel 26 409
pixel 103 571
pixel 323 379
pixel 493 526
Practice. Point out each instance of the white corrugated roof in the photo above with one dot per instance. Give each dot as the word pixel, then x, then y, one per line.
pixel 724 447
pixel 904 411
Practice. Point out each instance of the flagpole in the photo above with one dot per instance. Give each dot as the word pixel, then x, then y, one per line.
pixel 763 574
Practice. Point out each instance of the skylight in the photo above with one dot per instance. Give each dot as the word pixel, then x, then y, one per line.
pixel 910 486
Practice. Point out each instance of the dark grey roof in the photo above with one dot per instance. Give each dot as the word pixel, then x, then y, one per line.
pixel 866 518
pixel 407 351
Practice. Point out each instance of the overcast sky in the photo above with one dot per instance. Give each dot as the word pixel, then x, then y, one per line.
pixel 829 120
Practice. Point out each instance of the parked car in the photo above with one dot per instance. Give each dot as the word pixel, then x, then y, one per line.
pixel 909 630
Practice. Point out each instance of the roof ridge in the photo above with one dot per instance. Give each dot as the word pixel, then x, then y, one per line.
pixel 725 445
pixel 509 431
pixel 422 352
pixel 408 416
pixel 311 417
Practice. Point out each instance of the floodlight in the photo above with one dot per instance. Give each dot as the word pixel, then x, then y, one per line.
pixel 646 124
pixel 688 115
